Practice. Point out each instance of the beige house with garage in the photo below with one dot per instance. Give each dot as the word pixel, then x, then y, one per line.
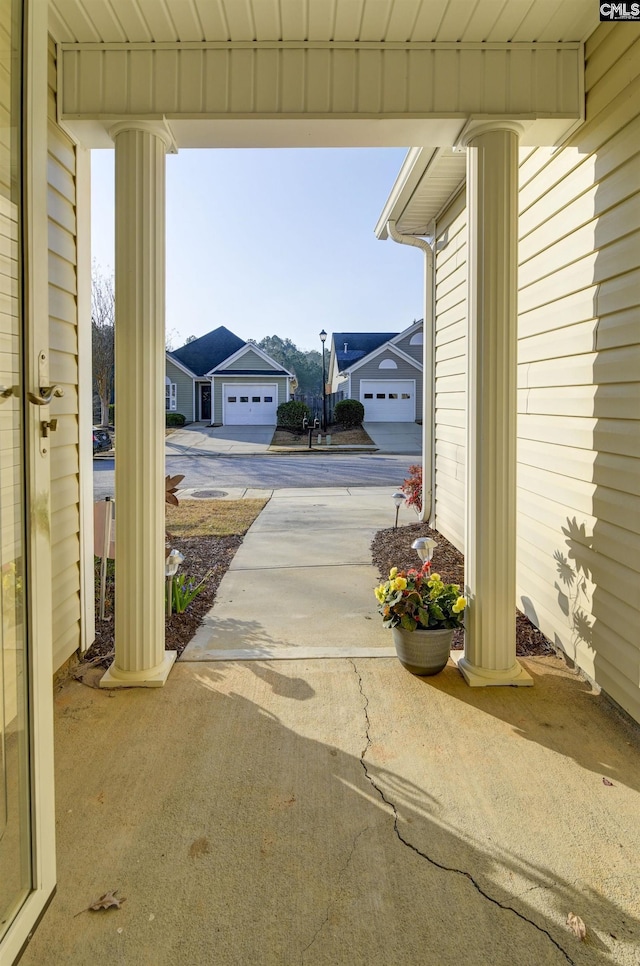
pixel 521 191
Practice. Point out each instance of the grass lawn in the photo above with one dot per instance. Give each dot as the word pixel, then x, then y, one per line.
pixel 207 518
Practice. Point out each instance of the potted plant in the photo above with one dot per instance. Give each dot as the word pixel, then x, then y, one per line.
pixel 422 612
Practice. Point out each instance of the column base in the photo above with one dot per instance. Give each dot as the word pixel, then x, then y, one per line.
pixel 480 677
pixel 154 677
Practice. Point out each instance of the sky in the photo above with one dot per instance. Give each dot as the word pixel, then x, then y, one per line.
pixel 275 242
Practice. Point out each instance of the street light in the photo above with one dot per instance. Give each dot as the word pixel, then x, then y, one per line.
pixel 323 339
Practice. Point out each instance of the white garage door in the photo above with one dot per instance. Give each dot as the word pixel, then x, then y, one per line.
pixel 249 405
pixel 388 401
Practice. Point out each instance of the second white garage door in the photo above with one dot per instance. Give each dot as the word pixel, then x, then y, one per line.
pixel 388 402
pixel 249 405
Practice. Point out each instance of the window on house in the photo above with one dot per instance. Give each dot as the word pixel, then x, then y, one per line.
pixel 268 398
pixel 255 399
pixel 244 399
pixel 232 399
pixel 406 395
pixel 393 395
pixel 170 397
pixel 380 395
pixel 368 395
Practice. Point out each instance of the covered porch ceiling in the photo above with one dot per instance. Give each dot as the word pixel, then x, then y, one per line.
pixel 316 73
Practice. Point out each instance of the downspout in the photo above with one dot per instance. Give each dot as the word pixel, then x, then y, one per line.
pixel 428 367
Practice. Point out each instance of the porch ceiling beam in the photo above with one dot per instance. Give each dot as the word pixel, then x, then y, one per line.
pixel 272 80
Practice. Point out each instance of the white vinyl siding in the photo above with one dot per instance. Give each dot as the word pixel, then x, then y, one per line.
pixel 63 362
pixel 578 378
pixel 451 361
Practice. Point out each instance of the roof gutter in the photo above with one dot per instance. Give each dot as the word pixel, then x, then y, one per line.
pixel 428 361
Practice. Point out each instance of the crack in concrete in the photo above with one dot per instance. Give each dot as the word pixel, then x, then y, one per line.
pixel 340 873
pixel 428 858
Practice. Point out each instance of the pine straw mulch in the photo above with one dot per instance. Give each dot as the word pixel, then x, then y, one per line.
pixel 392 548
pixel 202 555
pixel 340 436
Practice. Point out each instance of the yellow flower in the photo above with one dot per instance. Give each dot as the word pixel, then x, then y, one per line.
pixel 393 572
pixel 380 593
pixel 434 577
pixel 459 605
pixel 400 583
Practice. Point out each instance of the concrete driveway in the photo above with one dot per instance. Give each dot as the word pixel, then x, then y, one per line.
pixel 396 437
pixel 199 439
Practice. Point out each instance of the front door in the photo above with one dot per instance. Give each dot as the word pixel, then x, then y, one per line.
pixel 15 785
pixel 26 782
pixel 205 403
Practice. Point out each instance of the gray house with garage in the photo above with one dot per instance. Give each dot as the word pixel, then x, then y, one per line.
pixel 381 369
pixel 222 380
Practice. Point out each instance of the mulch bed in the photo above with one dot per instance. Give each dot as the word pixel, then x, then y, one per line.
pixel 392 548
pixel 340 436
pixel 201 555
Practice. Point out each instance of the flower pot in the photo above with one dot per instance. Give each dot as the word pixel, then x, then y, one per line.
pixel 422 651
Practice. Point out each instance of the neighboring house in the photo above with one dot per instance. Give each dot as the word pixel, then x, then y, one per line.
pixel 381 369
pixel 220 379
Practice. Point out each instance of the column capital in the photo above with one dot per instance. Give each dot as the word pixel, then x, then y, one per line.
pixel 159 129
pixel 476 128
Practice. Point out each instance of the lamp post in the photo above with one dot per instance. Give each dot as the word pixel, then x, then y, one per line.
pixel 323 339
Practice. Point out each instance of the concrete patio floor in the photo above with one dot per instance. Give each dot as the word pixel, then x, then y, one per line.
pixel 343 812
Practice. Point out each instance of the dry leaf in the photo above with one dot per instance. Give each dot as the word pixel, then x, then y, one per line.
pixel 171 484
pixel 108 901
pixel 577 926
pixel 605 781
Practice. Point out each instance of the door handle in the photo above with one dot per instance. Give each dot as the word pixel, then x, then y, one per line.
pixel 46 395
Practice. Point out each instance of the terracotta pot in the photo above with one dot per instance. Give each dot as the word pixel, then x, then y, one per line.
pixel 422 651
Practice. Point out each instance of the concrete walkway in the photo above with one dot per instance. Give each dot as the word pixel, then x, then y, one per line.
pixel 301 584
pixel 343 813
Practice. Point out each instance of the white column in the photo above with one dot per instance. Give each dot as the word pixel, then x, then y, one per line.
pixel 140 658
pixel 490 547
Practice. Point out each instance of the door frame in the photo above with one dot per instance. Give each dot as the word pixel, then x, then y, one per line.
pixel 38 610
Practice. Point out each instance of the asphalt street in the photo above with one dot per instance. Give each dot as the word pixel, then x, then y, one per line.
pixel 271 472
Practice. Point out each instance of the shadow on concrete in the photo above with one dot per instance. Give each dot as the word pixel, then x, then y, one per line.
pixel 240 838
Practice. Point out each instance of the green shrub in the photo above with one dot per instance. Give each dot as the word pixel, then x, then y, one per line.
pixel 176 419
pixel 291 414
pixel 349 412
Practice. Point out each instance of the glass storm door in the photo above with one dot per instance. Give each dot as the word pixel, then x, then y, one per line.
pixel 15 797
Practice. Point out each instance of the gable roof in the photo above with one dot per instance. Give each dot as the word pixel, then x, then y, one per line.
pixel 385 347
pixel 359 345
pixel 204 354
pixel 245 349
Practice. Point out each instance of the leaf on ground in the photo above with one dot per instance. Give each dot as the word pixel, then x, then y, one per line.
pixel 107 901
pixel 577 926
pixel 605 781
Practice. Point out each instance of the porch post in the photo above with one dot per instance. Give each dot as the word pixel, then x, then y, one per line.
pixel 140 657
pixel 490 550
